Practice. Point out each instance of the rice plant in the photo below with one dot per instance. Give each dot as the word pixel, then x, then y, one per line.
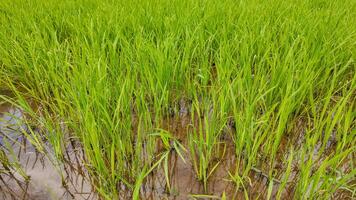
pixel 268 86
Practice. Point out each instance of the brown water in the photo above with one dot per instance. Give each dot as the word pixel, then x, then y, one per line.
pixel 183 179
pixel 49 181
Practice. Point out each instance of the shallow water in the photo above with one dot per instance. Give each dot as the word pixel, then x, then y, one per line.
pixel 45 180
pixel 182 176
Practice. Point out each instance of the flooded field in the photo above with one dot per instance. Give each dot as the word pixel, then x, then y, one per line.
pixel 37 177
pixel 44 180
pixel 177 99
pixel 34 176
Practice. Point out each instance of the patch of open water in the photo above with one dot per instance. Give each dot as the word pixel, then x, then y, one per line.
pixel 38 178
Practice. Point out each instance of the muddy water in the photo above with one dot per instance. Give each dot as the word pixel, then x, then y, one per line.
pixel 44 179
pixel 182 176
pixel 46 182
pixel 183 180
pixel 184 184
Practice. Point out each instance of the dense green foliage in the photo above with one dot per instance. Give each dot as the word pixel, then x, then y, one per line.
pixel 114 71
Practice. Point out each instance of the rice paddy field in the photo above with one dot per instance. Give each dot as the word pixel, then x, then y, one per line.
pixel 177 99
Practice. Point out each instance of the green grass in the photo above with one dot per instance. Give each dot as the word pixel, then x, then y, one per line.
pixel 110 73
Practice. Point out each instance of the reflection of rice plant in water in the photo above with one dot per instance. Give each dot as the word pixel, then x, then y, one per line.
pixel 186 99
pixel 27 173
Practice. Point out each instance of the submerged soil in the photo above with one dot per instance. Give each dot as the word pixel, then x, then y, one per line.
pixel 185 185
pixel 45 180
